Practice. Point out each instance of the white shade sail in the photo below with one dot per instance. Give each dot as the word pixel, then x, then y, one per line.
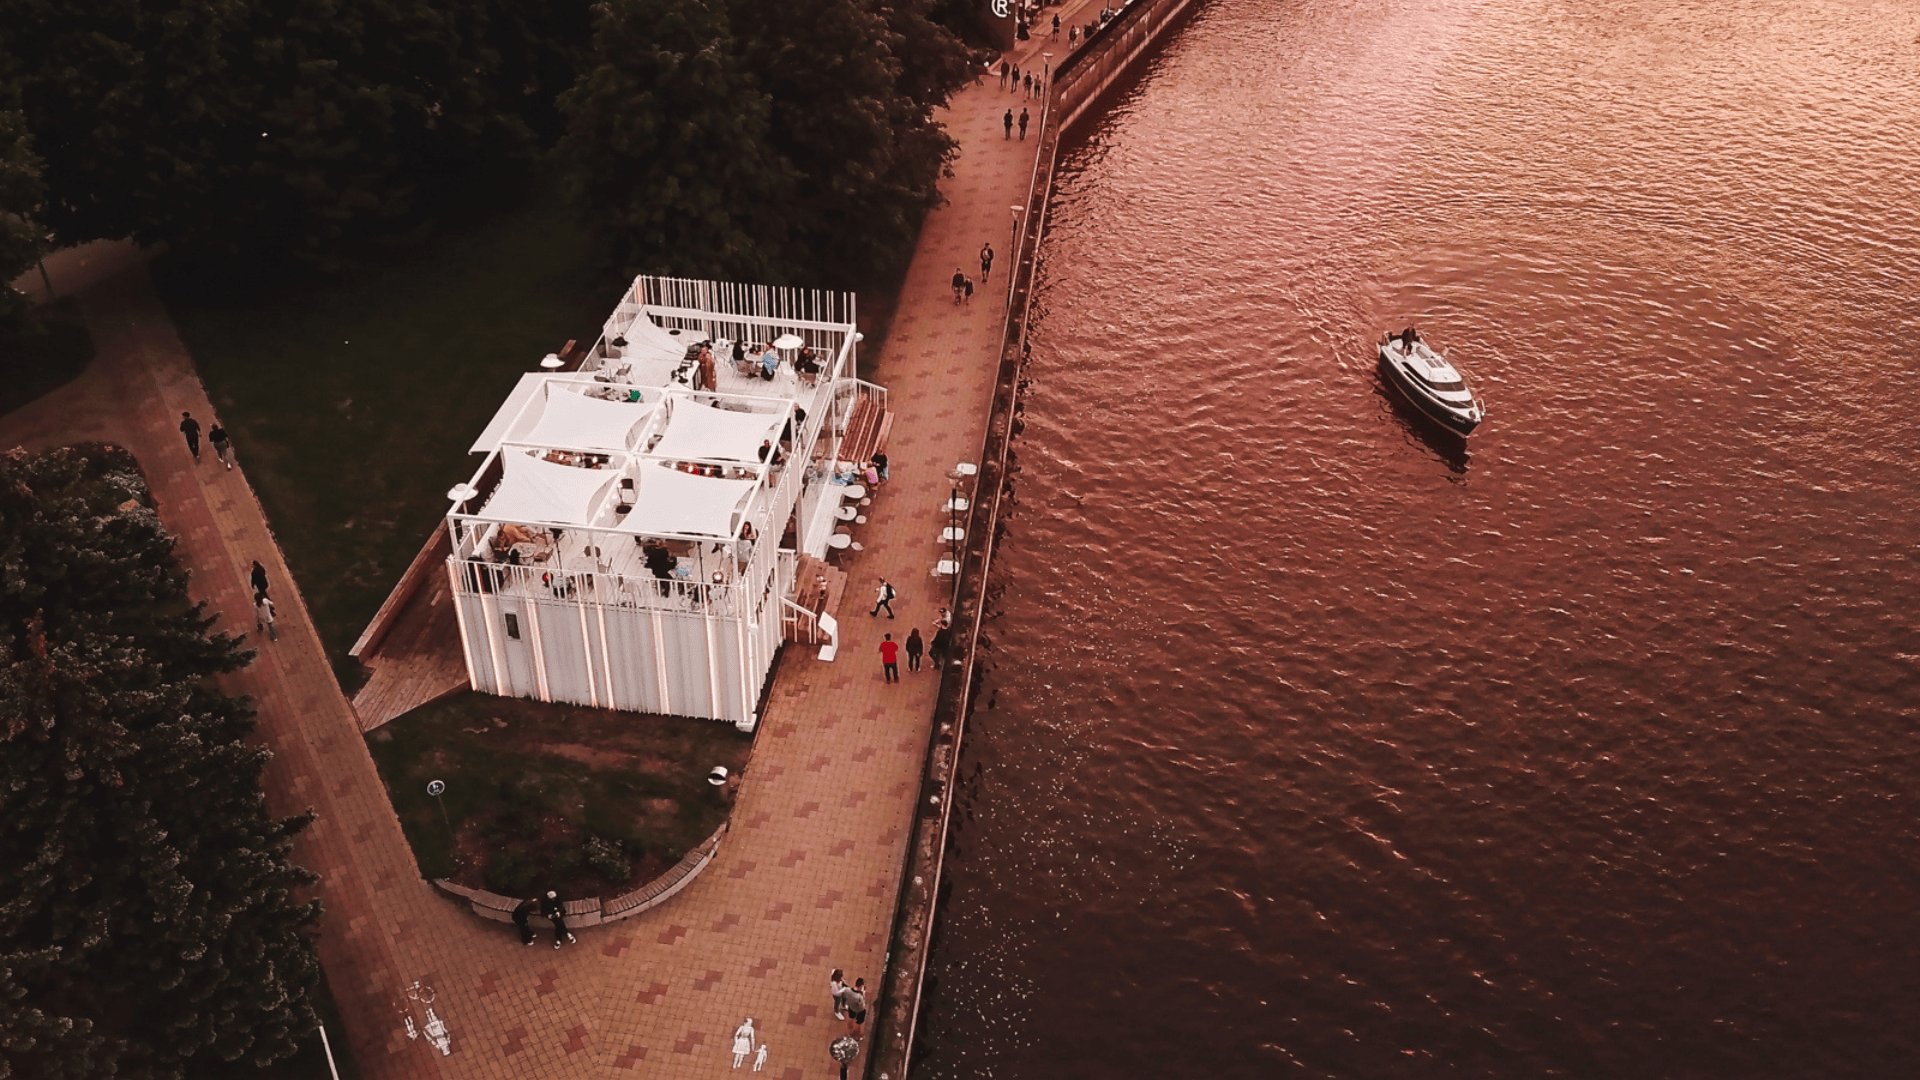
pixel 577 422
pixel 673 503
pixel 539 491
pixel 697 432
pixel 509 410
pixel 648 340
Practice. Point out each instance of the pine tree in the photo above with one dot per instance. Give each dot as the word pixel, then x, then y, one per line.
pixel 147 907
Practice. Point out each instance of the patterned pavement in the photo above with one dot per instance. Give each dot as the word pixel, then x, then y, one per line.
pixel 807 877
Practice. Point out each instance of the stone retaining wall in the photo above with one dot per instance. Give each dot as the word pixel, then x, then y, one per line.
pixel 581 913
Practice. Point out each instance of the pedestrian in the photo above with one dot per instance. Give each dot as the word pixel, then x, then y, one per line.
pixel 942 640
pixel 556 913
pixel 1014 81
pixel 522 913
pixel 883 598
pixel 857 1004
pixel 1003 74
pixel 959 283
pixel 1007 122
pixel 890 658
pixel 986 262
pixel 1023 125
pixel 1056 24
pixel 222 445
pixel 1073 37
pixel 879 460
pixel 263 616
pixel 259 579
pixel 914 648
pixel 969 293
pixel 191 427
pixel 1026 82
pixel 742 1042
pixel 836 986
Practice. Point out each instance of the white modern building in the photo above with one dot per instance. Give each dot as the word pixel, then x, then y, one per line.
pixel 631 537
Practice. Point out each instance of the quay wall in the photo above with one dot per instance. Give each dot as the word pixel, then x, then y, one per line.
pixel 1110 54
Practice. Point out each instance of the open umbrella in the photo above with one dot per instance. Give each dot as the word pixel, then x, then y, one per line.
pixel 789 341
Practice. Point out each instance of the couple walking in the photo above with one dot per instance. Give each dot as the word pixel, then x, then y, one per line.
pixel 849 1002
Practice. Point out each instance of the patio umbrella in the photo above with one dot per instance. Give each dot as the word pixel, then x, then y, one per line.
pixel 789 341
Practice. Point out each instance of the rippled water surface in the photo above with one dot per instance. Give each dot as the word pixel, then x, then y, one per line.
pixel 1313 745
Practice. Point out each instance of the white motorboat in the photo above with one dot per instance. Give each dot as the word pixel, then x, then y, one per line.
pixel 1429 383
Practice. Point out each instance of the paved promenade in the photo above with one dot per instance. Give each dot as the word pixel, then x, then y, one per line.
pixel 806 879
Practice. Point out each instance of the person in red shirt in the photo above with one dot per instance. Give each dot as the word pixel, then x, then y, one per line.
pixel 890 658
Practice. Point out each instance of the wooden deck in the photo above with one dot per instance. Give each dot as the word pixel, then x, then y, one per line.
pixel 821 598
pixel 417 659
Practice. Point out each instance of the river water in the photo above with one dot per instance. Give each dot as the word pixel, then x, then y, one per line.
pixel 1313 745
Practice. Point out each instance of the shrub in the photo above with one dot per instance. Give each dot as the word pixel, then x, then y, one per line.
pixel 608 858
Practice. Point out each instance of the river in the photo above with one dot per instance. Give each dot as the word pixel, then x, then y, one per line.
pixel 1312 744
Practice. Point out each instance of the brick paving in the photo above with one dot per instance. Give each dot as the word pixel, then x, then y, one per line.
pixel 805 880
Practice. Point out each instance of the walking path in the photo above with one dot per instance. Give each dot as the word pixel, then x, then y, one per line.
pixel 806 879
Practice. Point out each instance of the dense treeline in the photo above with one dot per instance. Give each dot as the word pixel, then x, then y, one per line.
pixel 781 139
pixel 147 915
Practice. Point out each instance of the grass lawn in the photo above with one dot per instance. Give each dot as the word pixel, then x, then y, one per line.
pixel 529 783
pixel 33 362
pixel 352 403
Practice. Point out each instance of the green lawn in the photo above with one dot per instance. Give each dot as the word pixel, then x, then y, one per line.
pixel 44 358
pixel 536 780
pixel 352 403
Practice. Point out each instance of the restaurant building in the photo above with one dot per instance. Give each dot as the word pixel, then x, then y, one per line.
pixel 635 529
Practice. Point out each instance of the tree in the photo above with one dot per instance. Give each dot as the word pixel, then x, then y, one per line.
pixel 20 198
pixel 262 124
pixel 147 910
pixel 668 145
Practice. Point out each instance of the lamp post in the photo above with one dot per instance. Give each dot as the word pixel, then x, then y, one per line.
pixel 1013 248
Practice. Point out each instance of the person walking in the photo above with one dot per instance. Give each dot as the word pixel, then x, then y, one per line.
pixel 1003 74
pixel 1007 122
pixel 259 579
pixel 222 446
pixel 1023 125
pixel 1026 85
pixel 556 913
pixel 836 986
pixel 914 648
pixel 883 598
pixel 890 658
pixel 522 916
pixel 742 1042
pixel 967 295
pixel 263 616
pixel 937 649
pixel 959 283
pixel 191 427
pixel 986 262
pixel 1056 24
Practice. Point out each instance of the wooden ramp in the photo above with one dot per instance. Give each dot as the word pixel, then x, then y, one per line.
pixel 412 649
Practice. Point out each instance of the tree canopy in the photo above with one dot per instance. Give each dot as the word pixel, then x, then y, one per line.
pixel 147 908
pixel 20 197
pixel 288 125
pixel 805 126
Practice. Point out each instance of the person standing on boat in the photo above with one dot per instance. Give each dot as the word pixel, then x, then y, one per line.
pixel 1407 338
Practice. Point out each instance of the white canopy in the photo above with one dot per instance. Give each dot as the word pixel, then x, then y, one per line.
pixel 577 422
pixel 648 340
pixel 672 503
pixel 509 410
pixel 536 490
pixel 699 432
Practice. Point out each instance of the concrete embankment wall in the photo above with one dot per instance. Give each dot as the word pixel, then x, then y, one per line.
pixel 1111 54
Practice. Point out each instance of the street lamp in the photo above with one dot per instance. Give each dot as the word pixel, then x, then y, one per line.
pixel 1013 246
